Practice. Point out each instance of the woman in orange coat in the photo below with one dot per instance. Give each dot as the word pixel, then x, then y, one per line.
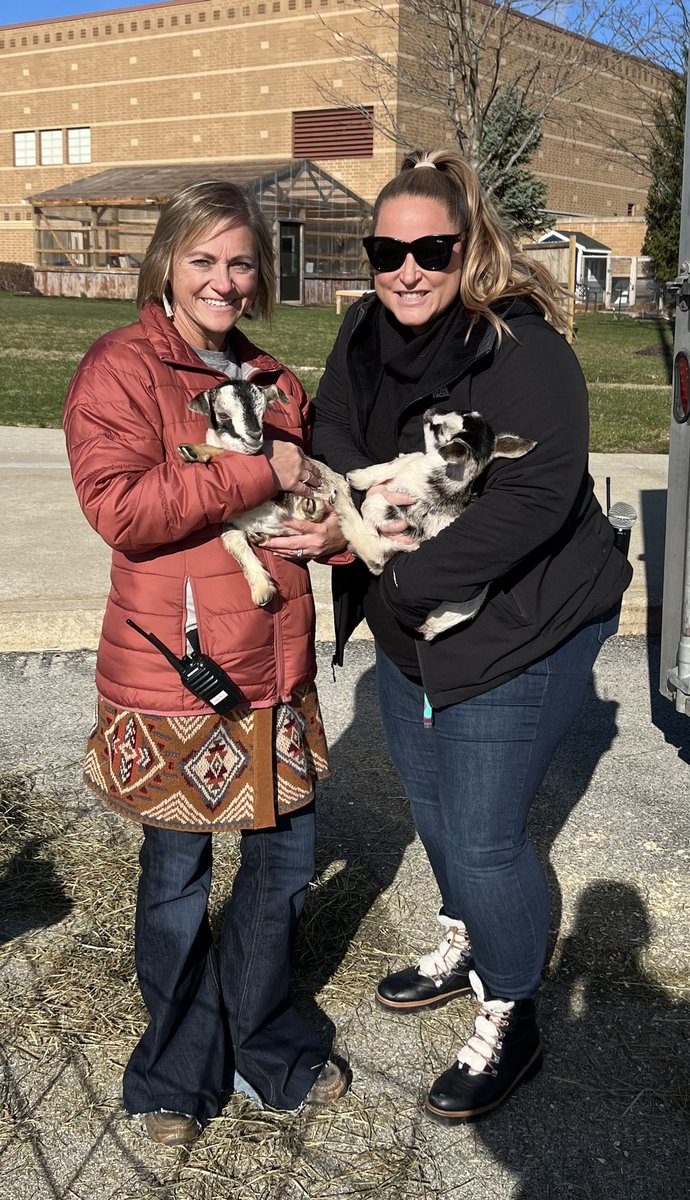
pixel 219 1016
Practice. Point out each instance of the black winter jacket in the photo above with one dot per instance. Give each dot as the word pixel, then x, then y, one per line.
pixel 535 534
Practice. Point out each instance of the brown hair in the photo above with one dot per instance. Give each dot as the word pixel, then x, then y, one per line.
pixel 492 267
pixel 186 217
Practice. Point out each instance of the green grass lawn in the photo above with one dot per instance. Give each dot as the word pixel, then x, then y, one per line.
pixel 42 341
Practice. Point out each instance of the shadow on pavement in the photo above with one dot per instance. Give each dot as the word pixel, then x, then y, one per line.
pixel 364 827
pixel 595 1123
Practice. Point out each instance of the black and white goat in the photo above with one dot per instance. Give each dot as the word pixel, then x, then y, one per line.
pixel 235 413
pixel 458 447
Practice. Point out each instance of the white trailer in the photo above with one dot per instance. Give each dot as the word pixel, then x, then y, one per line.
pixel 675 629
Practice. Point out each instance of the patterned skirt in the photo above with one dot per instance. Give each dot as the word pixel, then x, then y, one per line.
pixel 208 774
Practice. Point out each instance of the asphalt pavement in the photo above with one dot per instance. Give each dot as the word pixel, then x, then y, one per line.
pixel 607 1119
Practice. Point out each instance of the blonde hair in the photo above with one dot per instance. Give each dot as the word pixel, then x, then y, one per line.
pixel 492 267
pixel 187 216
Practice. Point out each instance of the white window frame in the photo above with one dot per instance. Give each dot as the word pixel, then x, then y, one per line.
pixel 25 148
pixel 52 150
pixel 79 144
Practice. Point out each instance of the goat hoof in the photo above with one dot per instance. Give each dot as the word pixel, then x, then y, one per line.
pixel 261 599
pixel 356 479
pixel 187 453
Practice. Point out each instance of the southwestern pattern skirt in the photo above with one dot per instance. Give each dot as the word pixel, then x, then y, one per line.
pixel 208 774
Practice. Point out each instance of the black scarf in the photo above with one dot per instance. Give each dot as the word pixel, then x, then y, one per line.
pixel 414 367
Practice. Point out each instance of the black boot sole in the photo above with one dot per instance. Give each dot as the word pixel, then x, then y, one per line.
pixel 404 1006
pixel 445 1117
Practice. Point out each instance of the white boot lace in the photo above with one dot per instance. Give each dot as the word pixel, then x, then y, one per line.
pixel 453 950
pixel 480 1053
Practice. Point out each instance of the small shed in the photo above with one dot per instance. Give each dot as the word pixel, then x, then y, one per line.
pixel 91 235
pixel 592 260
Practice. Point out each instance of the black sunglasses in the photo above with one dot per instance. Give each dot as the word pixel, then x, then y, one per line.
pixel 430 253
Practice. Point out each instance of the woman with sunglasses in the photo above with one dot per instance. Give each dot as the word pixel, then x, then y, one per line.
pixel 460 318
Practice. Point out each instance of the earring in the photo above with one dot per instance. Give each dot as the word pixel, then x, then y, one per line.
pixel 168 308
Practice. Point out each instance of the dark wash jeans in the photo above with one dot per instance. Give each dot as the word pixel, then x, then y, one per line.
pixel 214 1011
pixel 471 779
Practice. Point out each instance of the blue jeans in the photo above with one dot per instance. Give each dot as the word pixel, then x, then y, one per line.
pixel 219 1010
pixel 471 779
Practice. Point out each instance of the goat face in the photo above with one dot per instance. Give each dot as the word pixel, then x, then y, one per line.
pixel 463 440
pixel 235 414
pixel 467 444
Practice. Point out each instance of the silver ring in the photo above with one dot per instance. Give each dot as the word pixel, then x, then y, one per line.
pixel 300 552
pixel 305 480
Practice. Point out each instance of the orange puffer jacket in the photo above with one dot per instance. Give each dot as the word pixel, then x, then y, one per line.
pixel 126 413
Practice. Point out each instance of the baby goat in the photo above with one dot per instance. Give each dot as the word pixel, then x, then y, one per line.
pixel 458 447
pixel 235 415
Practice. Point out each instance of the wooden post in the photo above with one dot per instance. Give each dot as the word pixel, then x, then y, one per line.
pixel 572 255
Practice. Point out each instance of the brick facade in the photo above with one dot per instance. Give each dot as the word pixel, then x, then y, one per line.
pixel 180 82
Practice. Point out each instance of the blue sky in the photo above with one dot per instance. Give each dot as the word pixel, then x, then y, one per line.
pixel 41 10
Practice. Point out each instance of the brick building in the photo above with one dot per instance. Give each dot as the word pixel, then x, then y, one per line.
pixel 258 81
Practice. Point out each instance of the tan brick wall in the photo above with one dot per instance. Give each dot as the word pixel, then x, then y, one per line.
pixel 622 236
pixel 159 84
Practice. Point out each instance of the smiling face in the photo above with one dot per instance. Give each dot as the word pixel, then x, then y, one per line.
pixel 416 296
pixel 214 281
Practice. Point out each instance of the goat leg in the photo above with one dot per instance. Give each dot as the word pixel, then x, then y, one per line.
pixel 447 616
pixel 261 585
pixel 191 453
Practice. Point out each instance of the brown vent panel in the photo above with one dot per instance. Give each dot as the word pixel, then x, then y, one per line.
pixel 332 133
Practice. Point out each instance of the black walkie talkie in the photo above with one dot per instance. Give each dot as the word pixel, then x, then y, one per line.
pixel 200 674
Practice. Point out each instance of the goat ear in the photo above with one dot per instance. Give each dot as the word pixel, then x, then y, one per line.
pixel 508 445
pixel 201 403
pixel 274 395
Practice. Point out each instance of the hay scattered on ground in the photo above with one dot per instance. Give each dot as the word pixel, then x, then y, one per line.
pixel 70 1013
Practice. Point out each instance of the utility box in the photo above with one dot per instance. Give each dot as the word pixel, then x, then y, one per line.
pixel 675 630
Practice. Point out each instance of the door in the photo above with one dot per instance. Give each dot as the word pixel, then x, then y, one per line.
pixel 290 235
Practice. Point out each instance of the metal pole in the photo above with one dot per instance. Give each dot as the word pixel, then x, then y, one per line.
pixel 571 286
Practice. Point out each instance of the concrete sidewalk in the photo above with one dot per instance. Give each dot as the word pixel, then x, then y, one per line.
pixel 54 570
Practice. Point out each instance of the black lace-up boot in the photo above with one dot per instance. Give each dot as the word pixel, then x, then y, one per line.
pixel 504 1051
pixel 438 977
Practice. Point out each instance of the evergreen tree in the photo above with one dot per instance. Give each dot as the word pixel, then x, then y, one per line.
pixel 511 135
pixel 666 167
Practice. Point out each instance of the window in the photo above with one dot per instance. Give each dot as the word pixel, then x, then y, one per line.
pixel 25 149
pixel 51 147
pixel 79 145
pixel 631 210
pixel 333 133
